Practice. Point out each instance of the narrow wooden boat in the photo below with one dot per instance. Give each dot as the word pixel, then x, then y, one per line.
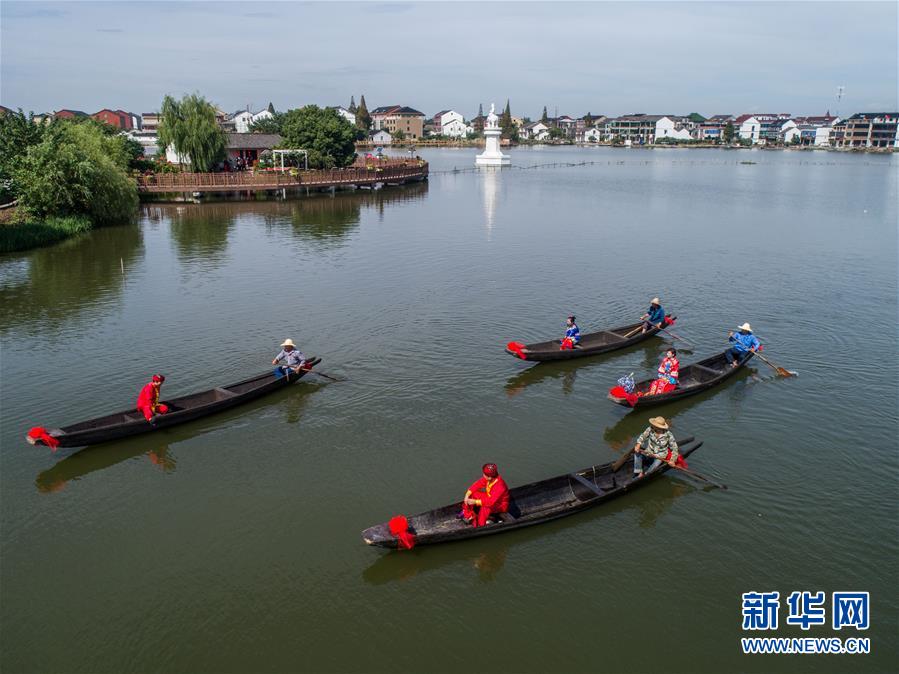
pixel 592 343
pixel 694 378
pixel 186 408
pixel 530 504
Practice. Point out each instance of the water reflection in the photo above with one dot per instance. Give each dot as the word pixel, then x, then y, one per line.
pixel 325 219
pixel 48 286
pixel 198 231
pixel 76 466
pixel 487 556
pixel 490 188
pixel 157 447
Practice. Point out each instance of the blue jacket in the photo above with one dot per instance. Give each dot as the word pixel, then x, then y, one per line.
pixel 574 333
pixel 656 314
pixel 743 343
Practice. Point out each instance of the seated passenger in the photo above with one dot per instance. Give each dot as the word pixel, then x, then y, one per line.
pixel 148 400
pixel 658 444
pixel 487 496
pixel 744 342
pixel 572 334
pixel 669 373
pixel 654 316
pixel 292 356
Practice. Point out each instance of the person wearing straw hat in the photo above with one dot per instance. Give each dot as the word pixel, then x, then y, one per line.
pixel 654 316
pixel 292 356
pixel 744 342
pixel 656 443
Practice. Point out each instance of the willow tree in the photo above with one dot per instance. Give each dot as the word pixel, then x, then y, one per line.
pixel 191 128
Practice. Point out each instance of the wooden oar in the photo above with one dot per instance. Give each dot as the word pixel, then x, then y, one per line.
pixel 782 371
pixel 620 462
pixel 698 476
pixel 634 331
pixel 676 336
pixel 326 376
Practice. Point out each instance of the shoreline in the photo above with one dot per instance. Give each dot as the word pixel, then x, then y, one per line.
pixel 648 146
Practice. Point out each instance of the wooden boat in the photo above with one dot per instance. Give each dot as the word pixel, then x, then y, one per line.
pixel 530 504
pixel 694 378
pixel 591 344
pixel 186 408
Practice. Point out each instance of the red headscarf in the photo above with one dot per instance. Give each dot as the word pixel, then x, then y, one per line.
pixel 158 378
pixel 490 470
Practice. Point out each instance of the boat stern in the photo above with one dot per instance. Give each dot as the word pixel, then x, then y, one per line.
pixel 518 350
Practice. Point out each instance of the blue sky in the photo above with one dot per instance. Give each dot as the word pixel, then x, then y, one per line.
pixel 602 57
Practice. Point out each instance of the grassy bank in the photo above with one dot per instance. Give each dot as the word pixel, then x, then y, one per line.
pixel 17 234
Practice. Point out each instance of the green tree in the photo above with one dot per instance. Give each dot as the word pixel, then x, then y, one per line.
pixel 271 108
pixel 328 137
pixel 588 120
pixel 696 117
pixel 544 118
pixel 480 109
pixel 191 128
pixel 506 123
pixel 363 119
pixel 18 132
pixel 399 134
pixel 268 124
pixel 352 107
pixel 729 133
pixel 555 133
pixel 77 169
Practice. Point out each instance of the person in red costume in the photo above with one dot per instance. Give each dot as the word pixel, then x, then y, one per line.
pixel 487 496
pixel 148 400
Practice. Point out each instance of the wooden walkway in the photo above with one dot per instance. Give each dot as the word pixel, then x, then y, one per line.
pixel 377 172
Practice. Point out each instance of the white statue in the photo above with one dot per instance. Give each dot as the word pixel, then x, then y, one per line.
pixel 491 156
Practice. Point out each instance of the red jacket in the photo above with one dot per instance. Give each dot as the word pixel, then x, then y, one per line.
pixel 149 396
pixel 494 495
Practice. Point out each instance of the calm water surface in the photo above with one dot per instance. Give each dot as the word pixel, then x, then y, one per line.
pixel 232 544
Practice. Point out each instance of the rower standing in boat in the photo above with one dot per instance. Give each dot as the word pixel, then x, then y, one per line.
pixel 654 316
pixel 744 342
pixel 148 400
pixel 292 356
pixel 657 443
pixel 572 334
pixel 669 374
pixel 487 496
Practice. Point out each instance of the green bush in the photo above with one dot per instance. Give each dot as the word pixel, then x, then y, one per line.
pixel 25 235
pixel 77 170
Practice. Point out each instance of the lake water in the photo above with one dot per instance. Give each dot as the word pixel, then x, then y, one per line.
pixel 232 544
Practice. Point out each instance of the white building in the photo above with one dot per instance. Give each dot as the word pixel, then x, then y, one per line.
pixel 346 114
pixel 748 127
pixel 456 128
pixel 381 137
pixel 535 131
pixel 668 127
pixel 445 117
pixel 592 135
pixel 243 119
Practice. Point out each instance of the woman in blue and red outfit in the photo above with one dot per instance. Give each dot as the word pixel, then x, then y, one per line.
pixel 148 400
pixel 487 496
pixel 669 373
pixel 572 334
